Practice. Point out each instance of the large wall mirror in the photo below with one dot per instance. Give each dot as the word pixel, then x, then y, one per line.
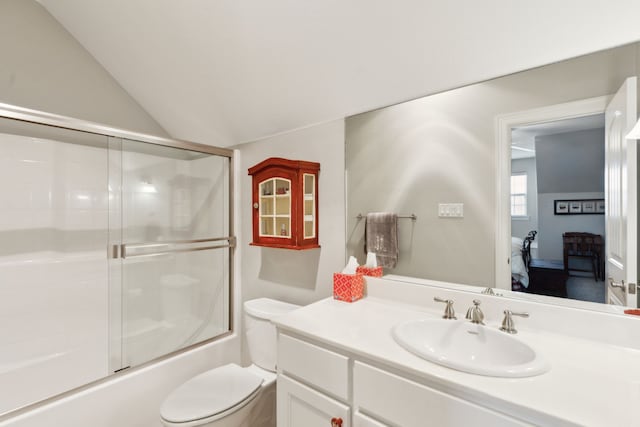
pixel 542 168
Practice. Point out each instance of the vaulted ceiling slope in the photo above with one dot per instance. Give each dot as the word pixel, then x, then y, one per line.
pixel 223 72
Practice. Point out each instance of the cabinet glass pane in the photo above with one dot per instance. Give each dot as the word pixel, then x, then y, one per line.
pixel 283 205
pixel 309 206
pixel 266 205
pixel 283 186
pixel 309 229
pixel 283 227
pixel 266 188
pixel 309 183
pixel 266 226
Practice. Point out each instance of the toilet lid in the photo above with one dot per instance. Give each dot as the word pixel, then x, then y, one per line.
pixel 210 393
pixel 266 308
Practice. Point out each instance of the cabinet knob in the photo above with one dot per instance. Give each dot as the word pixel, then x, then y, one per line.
pixel 256 205
pixel 336 422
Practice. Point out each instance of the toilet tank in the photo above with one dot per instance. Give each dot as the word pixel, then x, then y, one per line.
pixel 260 332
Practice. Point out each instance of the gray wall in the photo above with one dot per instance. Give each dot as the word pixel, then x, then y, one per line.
pixel 299 277
pixel 571 162
pixel 520 227
pixel 44 68
pixel 571 167
pixel 552 226
pixel 412 156
pixel 304 276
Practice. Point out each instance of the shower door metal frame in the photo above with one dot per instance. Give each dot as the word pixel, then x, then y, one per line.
pixel 8 111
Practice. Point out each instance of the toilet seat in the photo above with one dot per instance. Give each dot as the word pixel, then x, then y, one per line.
pixel 210 395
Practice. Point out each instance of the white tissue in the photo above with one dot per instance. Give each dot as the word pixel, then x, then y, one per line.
pixel 351 266
pixel 372 261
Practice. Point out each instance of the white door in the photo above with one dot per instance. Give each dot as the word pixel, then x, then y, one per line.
pixel 301 406
pixel 620 195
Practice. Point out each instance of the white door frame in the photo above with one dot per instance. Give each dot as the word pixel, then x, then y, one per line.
pixel 503 125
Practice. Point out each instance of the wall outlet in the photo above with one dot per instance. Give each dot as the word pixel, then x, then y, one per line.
pixel 451 210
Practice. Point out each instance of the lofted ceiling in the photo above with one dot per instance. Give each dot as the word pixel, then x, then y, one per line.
pixel 223 72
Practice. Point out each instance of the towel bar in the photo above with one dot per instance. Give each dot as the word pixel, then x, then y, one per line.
pixel 412 216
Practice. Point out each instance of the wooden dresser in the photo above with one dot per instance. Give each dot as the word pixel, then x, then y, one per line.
pixel 547 277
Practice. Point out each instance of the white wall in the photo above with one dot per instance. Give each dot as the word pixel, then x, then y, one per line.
pixel 305 276
pixel 44 68
pixel 222 71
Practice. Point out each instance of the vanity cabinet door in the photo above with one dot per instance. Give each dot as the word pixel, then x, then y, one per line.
pixel 302 406
pixel 325 370
pixel 360 420
pixel 410 404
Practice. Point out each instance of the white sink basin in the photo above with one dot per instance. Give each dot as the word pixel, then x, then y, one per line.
pixel 469 347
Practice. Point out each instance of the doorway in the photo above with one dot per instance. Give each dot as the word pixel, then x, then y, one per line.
pixel 557 208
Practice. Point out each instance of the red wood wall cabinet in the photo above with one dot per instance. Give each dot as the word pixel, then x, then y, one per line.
pixel 285 203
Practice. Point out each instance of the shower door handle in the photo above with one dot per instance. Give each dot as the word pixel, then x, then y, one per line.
pixel 128 250
pixel 115 252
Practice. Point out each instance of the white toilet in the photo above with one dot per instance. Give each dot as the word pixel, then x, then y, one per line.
pixel 231 396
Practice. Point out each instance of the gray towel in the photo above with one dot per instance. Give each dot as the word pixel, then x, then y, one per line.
pixel 381 237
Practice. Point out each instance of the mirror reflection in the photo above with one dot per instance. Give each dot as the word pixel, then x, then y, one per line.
pixel 541 171
pixel 557 208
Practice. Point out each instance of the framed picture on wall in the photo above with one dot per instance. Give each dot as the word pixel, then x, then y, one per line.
pixel 588 206
pixel 578 207
pixel 575 207
pixel 561 207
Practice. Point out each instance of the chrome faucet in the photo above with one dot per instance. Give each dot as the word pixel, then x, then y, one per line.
pixel 490 291
pixel 449 313
pixel 475 314
pixel 508 325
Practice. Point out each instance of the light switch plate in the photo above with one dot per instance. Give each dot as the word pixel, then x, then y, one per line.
pixel 451 210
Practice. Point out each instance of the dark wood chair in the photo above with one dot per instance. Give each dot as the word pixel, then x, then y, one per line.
pixel 587 246
pixel 526 248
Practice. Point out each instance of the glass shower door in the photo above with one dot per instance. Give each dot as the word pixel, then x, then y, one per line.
pixel 174 256
pixel 53 268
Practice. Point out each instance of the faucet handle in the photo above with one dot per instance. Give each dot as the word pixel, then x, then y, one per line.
pixel 475 314
pixel 449 312
pixel 490 291
pixel 508 325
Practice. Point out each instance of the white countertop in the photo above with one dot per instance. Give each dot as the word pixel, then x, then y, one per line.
pixel 589 384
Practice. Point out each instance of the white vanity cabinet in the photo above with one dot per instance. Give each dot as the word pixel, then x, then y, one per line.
pixel 299 405
pixel 407 403
pixel 313 385
pixel 316 385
